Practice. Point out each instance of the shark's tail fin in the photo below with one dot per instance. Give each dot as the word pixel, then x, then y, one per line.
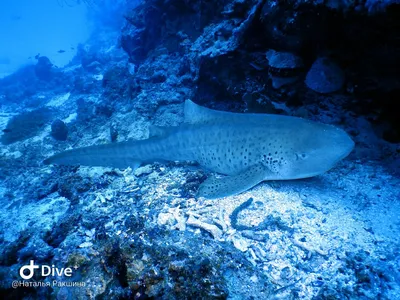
pixel 118 155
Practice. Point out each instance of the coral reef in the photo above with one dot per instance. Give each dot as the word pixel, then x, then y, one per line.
pixel 44 68
pixel 142 234
pixel 25 125
pixel 59 130
pixel 325 76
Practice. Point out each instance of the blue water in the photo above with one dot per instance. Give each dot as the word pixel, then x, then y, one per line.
pixel 43 26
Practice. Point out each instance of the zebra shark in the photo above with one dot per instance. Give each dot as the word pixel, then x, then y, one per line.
pixel 246 148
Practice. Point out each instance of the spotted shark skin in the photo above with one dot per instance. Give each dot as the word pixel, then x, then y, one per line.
pixel 246 148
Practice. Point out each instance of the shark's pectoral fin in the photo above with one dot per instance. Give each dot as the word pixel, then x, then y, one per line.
pixel 230 185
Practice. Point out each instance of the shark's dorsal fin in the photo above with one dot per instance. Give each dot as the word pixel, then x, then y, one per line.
pixel 214 187
pixel 196 114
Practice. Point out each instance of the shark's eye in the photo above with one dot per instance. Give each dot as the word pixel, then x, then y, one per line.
pixel 301 156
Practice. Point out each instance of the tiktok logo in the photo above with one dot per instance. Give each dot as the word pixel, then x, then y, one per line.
pixel 44 271
pixel 31 268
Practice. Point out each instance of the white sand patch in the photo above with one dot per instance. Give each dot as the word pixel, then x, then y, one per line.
pixel 70 118
pixel 17 216
pixel 58 100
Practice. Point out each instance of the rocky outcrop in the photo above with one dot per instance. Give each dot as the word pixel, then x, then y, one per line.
pixel 223 49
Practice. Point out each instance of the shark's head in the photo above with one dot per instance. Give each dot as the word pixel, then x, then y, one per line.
pixel 318 148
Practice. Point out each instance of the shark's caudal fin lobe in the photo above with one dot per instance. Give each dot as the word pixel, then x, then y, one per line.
pixel 214 187
pixel 111 155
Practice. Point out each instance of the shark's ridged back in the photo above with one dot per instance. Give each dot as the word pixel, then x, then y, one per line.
pixel 196 114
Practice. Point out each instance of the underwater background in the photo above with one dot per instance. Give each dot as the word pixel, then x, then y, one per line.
pixel 76 73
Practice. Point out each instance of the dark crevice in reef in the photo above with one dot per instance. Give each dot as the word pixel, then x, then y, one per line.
pixel 116 260
pixel 217 80
pixel 382 109
pixel 19 293
pixel 58 234
pixel 366 48
pixel 9 251
pixel 365 45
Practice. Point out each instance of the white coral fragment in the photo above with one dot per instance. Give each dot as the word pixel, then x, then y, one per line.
pixel 212 229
